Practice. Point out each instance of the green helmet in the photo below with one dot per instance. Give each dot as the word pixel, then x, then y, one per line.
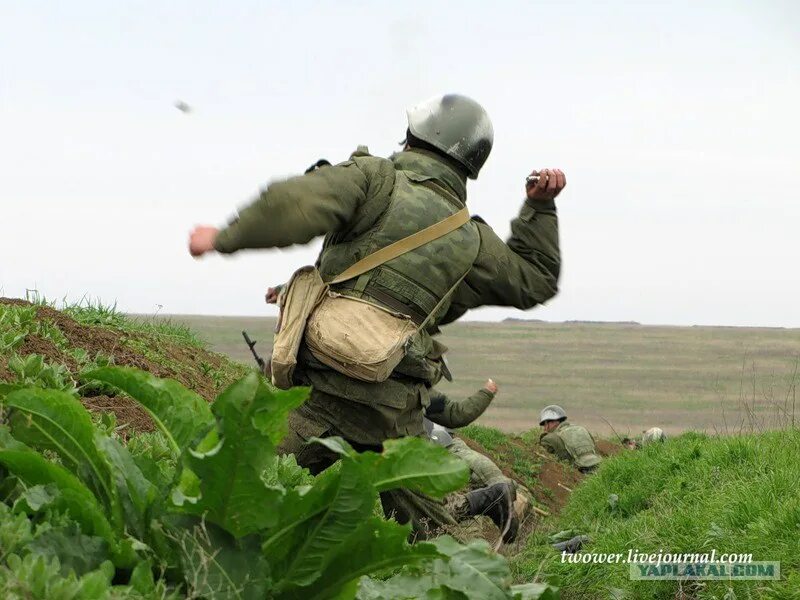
pixel 552 413
pixel 441 436
pixel 456 125
pixel 437 434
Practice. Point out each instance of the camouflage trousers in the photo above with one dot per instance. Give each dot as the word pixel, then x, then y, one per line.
pixel 427 515
pixel 483 471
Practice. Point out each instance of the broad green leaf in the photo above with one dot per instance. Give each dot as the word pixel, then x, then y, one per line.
pixel 74 498
pixel 154 473
pixel 35 498
pixel 468 571
pixel 472 569
pixel 142 580
pixel 335 444
pixel 219 567
pixel 405 588
pixel 230 464
pixel 7 441
pixel 416 464
pixel 313 526
pixel 75 551
pixel 187 489
pixel 208 446
pixel 129 551
pixel 180 413
pixel 55 420
pixel 135 492
pixel 534 591
pixel 271 417
pixel 374 546
pixel 7 388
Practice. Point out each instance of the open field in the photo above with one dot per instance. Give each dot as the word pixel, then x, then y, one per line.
pixel 634 377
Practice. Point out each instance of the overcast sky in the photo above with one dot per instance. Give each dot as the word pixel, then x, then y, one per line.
pixel 677 125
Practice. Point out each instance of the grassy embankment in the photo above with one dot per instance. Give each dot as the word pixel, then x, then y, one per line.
pixel 693 494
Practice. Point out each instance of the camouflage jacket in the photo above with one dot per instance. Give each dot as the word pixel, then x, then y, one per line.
pixel 345 202
pixel 555 443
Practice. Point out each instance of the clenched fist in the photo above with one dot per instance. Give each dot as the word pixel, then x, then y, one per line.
pixel 550 184
pixel 490 386
pixel 273 294
pixel 201 240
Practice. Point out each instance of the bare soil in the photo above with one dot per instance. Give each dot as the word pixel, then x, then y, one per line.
pixel 560 480
pixel 607 448
pixel 181 363
pixel 126 410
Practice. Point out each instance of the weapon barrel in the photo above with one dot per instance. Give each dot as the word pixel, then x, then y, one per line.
pixel 251 344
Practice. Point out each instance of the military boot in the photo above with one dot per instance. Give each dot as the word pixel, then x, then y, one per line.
pixel 573 545
pixel 496 502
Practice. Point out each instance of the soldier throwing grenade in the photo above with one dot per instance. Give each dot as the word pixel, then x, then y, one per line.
pixel 367 203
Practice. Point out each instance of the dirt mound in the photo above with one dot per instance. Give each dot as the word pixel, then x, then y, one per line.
pixel 174 361
pixel 607 448
pixel 205 372
pixel 559 480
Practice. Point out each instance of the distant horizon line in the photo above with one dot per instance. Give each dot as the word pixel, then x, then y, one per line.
pixel 507 320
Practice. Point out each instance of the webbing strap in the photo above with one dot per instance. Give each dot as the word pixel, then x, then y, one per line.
pixel 407 244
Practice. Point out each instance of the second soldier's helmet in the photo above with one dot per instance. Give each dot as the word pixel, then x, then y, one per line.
pixel 456 125
pixel 654 434
pixel 441 436
pixel 552 413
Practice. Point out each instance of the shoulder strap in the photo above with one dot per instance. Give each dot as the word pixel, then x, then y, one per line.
pixel 443 300
pixel 407 244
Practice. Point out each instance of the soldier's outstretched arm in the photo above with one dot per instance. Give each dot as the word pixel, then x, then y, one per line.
pixel 297 210
pixel 458 413
pixel 523 271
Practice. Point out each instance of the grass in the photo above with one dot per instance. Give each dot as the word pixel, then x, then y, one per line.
pixel 43 345
pixel 513 453
pixel 695 493
pixel 92 312
pixel 632 376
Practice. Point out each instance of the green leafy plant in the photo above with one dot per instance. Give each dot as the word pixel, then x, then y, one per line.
pixel 462 571
pixel 34 370
pixel 16 322
pixel 211 506
pixel 50 331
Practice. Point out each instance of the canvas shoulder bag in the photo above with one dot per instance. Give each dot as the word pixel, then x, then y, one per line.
pixel 356 337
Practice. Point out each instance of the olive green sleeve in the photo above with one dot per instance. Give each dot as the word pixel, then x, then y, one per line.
pixel 457 413
pixel 521 272
pixel 550 442
pixel 297 210
pixel 554 445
